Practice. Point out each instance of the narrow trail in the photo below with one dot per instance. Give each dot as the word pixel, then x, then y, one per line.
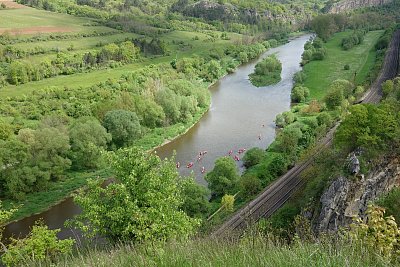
pixel 275 195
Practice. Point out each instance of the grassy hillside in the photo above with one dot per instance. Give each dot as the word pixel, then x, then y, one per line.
pixel 22 18
pixel 320 74
pixel 250 251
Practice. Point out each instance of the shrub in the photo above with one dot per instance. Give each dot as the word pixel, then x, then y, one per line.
pixel 253 157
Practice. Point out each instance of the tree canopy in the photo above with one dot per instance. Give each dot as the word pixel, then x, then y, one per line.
pixel 143 203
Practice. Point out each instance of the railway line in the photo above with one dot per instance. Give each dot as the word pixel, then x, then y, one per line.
pixel 275 195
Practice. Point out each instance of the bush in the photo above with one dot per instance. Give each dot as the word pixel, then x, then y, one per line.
pixel 39 245
pixel 299 94
pixel 253 157
pixel 250 185
pixel 346 67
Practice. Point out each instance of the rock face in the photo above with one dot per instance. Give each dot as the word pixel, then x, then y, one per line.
pixel 347 197
pixel 346 5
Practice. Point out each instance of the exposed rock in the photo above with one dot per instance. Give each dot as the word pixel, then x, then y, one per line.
pixel 347 198
pixel 347 5
pixel 354 164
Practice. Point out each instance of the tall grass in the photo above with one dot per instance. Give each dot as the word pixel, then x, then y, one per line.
pixel 248 251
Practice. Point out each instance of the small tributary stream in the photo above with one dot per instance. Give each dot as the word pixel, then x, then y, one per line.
pixel 241 116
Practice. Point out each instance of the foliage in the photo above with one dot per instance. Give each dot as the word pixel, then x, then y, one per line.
pixel 284 119
pixel 223 178
pixel 142 204
pixel 249 185
pixel 313 50
pixel 32 159
pixel 251 250
pixel 299 94
pixel 195 198
pixel 228 202
pixel 326 25
pixel 369 127
pixel 379 233
pixel 334 97
pixel 252 157
pixel 391 203
pixel 87 137
pixel 267 72
pixel 5 216
pixel 123 125
pixel 355 39
pixel 41 244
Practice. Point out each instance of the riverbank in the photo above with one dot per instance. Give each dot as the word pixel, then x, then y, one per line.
pixel 58 192
pixel 304 124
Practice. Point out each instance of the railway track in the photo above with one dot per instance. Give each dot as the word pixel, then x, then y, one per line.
pixel 274 196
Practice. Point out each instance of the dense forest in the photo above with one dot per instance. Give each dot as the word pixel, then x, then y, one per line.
pixel 95 100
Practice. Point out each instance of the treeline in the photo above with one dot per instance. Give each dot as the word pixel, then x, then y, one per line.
pixel 106 116
pixel 354 39
pixel 19 72
pixel 68 7
pixel 363 20
pixel 7 39
pixel 313 50
pixel 139 16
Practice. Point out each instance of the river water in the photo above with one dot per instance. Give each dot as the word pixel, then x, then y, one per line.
pixel 241 116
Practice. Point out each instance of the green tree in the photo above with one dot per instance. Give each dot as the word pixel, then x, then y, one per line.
pixel 212 71
pixel 368 126
pixel 249 185
pixel 387 87
pixel 195 198
pixel 87 138
pixel 123 125
pixel 223 178
pixel 40 244
pixel 6 130
pixel 299 94
pixel 334 98
pixel 142 204
pixel 49 150
pixel 18 177
pixel 253 156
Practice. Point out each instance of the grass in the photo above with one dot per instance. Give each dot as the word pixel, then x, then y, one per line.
pixel 30 17
pixel 248 251
pixel 199 47
pixel 320 74
pixel 40 201
pixel 77 44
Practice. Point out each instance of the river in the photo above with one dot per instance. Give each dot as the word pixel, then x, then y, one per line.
pixel 241 116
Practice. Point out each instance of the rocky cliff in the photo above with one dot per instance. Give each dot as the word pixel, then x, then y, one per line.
pixel 345 5
pixel 346 198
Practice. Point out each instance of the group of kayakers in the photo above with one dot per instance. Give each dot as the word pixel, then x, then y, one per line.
pixel 201 154
pixel 237 157
pixel 190 164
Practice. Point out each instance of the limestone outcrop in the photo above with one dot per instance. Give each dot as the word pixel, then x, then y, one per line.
pixel 346 5
pixel 347 198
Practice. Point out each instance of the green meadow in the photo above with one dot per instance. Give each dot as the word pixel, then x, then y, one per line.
pixel 30 17
pixel 361 58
